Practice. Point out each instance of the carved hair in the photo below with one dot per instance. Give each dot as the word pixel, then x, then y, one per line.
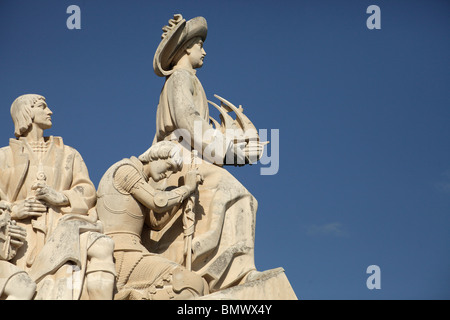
pixel 21 112
pixel 163 150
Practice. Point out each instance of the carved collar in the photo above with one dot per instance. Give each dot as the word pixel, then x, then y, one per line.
pixel 192 71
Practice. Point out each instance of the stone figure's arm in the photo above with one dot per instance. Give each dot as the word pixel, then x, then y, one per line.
pixel 79 197
pixel 185 114
pixel 81 194
pixel 4 239
pixel 215 146
pixel 20 209
pixel 2 195
pixel 3 163
pixel 129 180
pixel 161 204
pixel 156 200
pixel 167 202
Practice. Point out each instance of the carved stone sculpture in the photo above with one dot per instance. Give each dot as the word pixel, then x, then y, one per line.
pixel 172 223
pixel 15 284
pixel 225 211
pixel 127 201
pixel 46 184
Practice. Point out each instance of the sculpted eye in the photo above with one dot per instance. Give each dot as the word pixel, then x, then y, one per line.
pixel 41 105
pixel 172 166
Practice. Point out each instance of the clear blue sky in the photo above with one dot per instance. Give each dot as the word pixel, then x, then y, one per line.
pixel 363 117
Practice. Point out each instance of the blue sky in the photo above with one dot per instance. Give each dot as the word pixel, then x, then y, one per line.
pixel 363 118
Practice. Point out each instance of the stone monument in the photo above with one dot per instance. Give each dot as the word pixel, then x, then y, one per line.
pixel 223 211
pixel 172 223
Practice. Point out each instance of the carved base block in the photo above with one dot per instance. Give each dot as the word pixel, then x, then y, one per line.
pixel 271 285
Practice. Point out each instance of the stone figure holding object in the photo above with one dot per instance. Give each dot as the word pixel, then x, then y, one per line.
pixel 223 240
pixel 47 186
pixel 127 201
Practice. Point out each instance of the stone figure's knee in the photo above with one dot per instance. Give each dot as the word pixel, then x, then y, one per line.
pixel 102 248
pixel 101 256
pixel 20 287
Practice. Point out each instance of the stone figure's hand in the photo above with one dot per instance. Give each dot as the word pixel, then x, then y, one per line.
pixel 17 234
pixel 50 195
pixel 27 208
pixel 4 206
pixel 192 179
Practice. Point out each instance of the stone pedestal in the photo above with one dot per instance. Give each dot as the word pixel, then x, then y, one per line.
pixel 271 285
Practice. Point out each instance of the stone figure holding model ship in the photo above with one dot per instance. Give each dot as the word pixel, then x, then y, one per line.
pixel 225 211
pixel 172 223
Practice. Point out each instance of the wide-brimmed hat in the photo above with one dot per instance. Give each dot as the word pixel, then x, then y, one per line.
pixel 175 35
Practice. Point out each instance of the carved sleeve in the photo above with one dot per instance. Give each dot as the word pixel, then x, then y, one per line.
pixel 3 164
pixel 162 204
pixel 186 116
pixel 181 103
pixel 128 180
pixel 81 194
pixel 158 201
pixel 125 178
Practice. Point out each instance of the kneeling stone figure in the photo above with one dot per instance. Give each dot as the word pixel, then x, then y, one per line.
pixel 125 202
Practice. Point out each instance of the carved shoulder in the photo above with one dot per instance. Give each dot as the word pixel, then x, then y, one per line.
pixel 4 155
pixel 181 79
pixel 125 177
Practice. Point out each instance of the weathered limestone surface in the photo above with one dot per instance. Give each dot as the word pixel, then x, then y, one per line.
pixel 273 285
pixel 172 223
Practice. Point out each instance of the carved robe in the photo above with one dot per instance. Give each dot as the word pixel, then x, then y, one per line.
pixel 57 241
pixel 223 242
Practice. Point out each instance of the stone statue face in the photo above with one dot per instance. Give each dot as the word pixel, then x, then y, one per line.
pixel 41 115
pixel 162 168
pixel 196 54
